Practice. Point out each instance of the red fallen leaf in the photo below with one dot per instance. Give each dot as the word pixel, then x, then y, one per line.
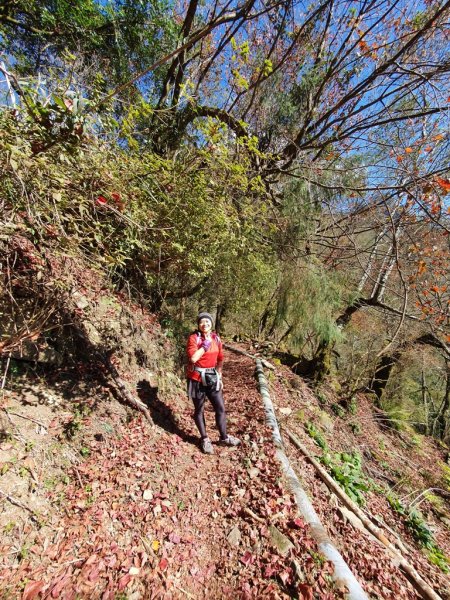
pixel 163 564
pixel 297 523
pixel 94 575
pixel 247 559
pixel 60 585
pixel 92 559
pixel 32 589
pixel 123 582
pixel 305 591
pixel 101 200
pixel 269 571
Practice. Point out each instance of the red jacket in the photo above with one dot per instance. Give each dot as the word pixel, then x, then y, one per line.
pixel 210 359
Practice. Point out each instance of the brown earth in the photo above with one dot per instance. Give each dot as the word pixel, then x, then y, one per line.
pixel 97 503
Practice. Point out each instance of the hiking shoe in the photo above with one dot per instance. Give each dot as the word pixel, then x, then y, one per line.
pixel 230 441
pixel 207 446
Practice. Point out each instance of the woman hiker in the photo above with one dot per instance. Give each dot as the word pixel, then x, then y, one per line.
pixel 204 373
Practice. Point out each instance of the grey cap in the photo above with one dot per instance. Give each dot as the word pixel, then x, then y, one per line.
pixel 205 315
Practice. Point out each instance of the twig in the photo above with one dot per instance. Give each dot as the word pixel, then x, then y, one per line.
pixel 185 592
pixel 79 476
pixel 423 496
pixel 6 372
pixel 18 503
pixel 251 514
pixel 26 418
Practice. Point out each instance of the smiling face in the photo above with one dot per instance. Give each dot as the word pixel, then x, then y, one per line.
pixel 205 326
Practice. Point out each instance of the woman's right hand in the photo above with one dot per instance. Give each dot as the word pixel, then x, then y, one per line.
pixel 206 345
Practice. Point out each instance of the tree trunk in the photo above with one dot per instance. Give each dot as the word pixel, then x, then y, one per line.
pixel 220 311
pixel 322 362
pixel 383 372
pixel 442 416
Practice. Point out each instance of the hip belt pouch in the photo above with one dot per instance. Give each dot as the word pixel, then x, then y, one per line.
pixel 210 377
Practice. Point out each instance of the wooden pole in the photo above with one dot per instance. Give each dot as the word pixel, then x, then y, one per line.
pixel 420 585
pixel 342 575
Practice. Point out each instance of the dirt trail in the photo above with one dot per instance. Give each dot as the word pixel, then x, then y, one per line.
pixel 133 511
pixel 147 515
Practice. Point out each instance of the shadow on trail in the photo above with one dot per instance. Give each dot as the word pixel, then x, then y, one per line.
pixel 162 415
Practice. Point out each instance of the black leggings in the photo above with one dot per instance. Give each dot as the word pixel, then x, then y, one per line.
pixel 198 393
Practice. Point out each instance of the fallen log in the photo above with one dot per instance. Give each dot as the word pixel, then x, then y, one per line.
pixel 342 575
pixel 419 584
pixel 264 362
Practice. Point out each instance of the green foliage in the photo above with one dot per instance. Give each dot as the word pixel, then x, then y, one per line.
pixel 85 452
pixel 417 525
pixel 124 36
pixel 353 405
pixel 163 225
pixel 356 428
pixel 338 409
pixel 316 435
pixel 346 469
pixel 310 307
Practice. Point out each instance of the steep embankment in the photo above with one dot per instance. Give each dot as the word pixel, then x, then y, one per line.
pixel 99 503
pixel 401 482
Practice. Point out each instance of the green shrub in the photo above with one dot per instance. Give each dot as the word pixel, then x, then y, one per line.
pixel 316 435
pixel 346 469
pixel 418 527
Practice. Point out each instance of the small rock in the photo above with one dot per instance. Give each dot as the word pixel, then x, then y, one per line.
pixel 253 472
pixel 286 411
pixel 234 537
pixel 81 301
pixel 148 494
pixel 282 543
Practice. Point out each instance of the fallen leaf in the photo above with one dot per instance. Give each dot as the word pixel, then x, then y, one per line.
pixel 174 538
pixel 147 495
pixel 305 591
pixel 300 523
pixel 247 559
pixel 32 589
pixel 163 564
pixel 123 582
